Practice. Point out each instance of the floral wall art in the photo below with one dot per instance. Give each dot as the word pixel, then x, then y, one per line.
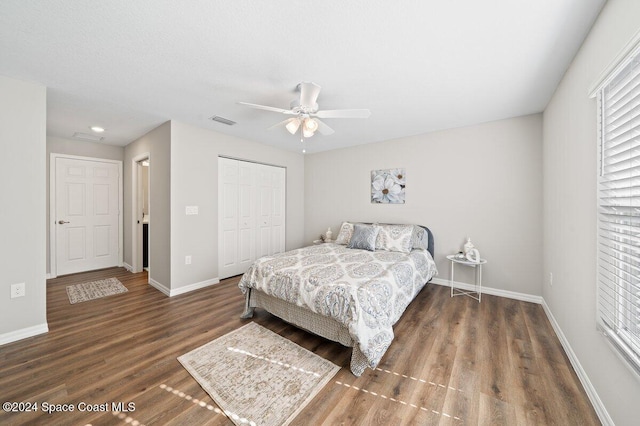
pixel 387 186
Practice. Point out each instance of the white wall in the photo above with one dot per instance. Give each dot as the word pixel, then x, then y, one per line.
pixel 570 165
pixel 194 182
pixel 57 145
pixel 23 214
pixel 481 181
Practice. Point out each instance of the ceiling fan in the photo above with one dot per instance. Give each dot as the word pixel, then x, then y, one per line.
pixel 305 114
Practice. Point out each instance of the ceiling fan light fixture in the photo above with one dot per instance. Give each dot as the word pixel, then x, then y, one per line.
pixel 293 125
pixel 310 125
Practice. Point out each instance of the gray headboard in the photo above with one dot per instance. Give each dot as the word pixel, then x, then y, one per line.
pixel 431 244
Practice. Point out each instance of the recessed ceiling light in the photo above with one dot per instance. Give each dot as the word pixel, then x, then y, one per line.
pixel 97 129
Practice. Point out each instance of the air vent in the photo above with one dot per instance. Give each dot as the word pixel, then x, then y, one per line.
pixel 222 120
pixel 88 137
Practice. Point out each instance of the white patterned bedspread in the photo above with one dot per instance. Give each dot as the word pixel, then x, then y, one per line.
pixel 366 291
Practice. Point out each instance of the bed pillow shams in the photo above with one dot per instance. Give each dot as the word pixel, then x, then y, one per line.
pixel 364 237
pixel 346 231
pixel 420 238
pixel 395 238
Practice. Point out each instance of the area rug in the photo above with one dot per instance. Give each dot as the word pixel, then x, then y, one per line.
pixel 94 290
pixel 258 377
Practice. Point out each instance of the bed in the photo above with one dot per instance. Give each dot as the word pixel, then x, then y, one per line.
pixel 350 291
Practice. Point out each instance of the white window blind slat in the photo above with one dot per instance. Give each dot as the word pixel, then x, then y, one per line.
pixel 619 212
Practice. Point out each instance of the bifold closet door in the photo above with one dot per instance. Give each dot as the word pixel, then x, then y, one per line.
pixel 251 215
pixel 270 199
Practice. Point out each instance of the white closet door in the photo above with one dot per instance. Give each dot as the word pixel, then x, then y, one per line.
pixel 251 214
pixel 278 180
pixel 265 207
pixel 228 216
pixel 246 215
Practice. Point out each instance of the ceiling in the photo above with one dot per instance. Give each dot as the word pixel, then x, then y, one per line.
pixel 419 66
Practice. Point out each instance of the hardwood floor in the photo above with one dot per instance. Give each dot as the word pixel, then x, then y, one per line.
pixel 454 361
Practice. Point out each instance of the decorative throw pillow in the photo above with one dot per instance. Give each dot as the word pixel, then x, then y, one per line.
pixel 346 231
pixel 395 238
pixel 364 237
pixel 420 239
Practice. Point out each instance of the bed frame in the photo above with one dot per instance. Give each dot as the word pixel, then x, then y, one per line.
pixel 312 322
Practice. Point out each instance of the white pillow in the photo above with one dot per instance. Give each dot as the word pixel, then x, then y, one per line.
pixel 420 239
pixel 395 238
pixel 345 234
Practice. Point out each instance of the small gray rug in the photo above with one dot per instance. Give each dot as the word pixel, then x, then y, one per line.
pixel 258 377
pixel 94 290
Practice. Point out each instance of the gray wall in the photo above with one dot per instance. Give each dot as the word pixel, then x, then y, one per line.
pixel 194 182
pixel 158 144
pixel 481 181
pixel 570 178
pixel 23 214
pixel 58 145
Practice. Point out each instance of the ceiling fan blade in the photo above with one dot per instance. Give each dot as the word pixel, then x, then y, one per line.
pixel 267 108
pixel 324 129
pixel 343 113
pixel 280 123
pixel 309 95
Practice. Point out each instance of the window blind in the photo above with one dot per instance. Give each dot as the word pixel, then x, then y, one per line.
pixel 619 211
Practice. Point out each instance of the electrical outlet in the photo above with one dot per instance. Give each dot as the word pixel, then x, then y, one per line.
pixel 551 279
pixel 187 260
pixel 190 210
pixel 17 290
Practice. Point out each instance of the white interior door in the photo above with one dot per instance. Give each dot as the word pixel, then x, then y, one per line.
pixel 246 215
pixel 265 207
pixel 278 180
pixel 228 200
pixel 86 215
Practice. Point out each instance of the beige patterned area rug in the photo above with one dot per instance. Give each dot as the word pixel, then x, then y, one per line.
pixel 258 377
pixel 94 290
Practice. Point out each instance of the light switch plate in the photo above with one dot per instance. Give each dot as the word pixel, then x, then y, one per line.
pixel 189 210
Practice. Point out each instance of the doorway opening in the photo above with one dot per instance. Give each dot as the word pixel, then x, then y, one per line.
pixel 141 247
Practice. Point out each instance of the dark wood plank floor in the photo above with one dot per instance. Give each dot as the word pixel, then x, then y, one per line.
pixel 454 361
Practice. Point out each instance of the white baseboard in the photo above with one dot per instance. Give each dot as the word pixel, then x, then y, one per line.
pixel 184 289
pixel 163 288
pixel 601 410
pixel 127 266
pixel 23 333
pixel 192 287
pixel 49 276
pixel 492 291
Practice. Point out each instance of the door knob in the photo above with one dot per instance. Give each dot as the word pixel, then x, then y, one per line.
pixel 62 222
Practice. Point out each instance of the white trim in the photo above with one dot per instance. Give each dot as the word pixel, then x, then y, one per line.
pixel 49 276
pixel 184 289
pixel 620 61
pixel 127 267
pixel 194 286
pixel 489 290
pixel 163 288
pixel 597 403
pixel 53 266
pixel 23 333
